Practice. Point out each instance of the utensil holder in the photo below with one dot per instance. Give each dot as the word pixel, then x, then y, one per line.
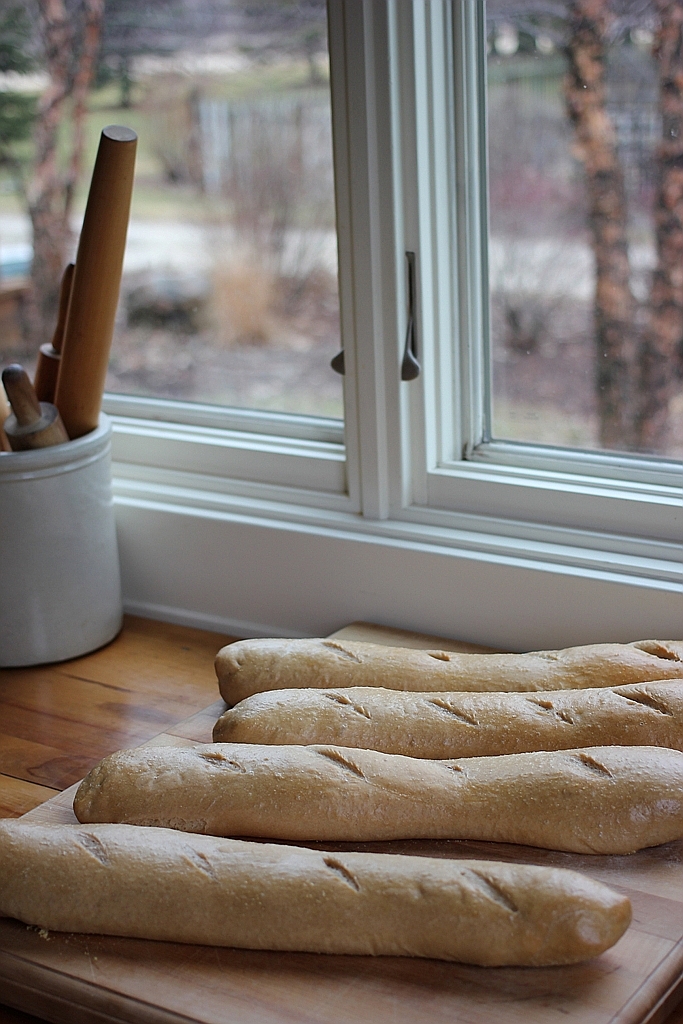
pixel 60 586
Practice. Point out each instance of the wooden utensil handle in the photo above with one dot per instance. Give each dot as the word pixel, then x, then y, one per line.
pixel 33 425
pixel 46 432
pixel 22 397
pixel 64 297
pixel 96 283
pixel 4 413
pixel 47 365
pixel 47 370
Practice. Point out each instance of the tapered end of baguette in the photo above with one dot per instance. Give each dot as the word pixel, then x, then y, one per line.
pixel 227 665
pixel 260 656
pixel 251 666
pixel 226 729
pixel 592 920
pixel 669 650
pixel 88 793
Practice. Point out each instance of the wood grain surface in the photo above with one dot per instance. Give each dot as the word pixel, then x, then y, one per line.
pixel 84 979
pixel 57 721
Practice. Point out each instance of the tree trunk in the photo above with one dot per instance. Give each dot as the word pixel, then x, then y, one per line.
pixel 125 82
pixel 50 191
pixel 94 12
pixel 45 193
pixel 661 352
pixel 615 306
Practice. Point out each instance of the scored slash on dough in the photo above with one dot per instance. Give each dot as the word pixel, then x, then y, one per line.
pixel 216 757
pixel 334 865
pixel 494 892
pixel 462 716
pixel 594 765
pixel 340 698
pixel 93 846
pixel 200 862
pixel 547 705
pixel 343 762
pixel 648 700
pixel 340 649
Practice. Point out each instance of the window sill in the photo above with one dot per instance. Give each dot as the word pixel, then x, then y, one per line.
pixel 564 497
pixel 252 559
pixel 148 449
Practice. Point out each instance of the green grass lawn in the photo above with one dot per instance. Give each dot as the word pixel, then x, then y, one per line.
pixel 153 195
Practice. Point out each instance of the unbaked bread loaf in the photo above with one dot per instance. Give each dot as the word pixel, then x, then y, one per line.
pixel 252 666
pixel 154 884
pixel 608 800
pixel 441 725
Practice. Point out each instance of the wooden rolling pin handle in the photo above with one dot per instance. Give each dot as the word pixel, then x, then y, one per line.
pixel 22 397
pixel 64 296
pixel 97 278
pixel 4 413
pixel 33 425
pixel 48 431
pixel 47 366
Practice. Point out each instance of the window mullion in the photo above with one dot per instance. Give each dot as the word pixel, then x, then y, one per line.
pixel 423 66
pixel 339 73
pixel 469 40
pixel 370 299
pixel 443 379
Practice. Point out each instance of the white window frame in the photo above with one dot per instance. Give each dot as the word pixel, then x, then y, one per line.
pixel 394 515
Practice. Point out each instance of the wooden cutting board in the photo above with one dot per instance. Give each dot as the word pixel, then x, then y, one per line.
pixel 77 979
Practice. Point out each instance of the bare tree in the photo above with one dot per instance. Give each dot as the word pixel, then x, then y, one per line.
pixel 661 349
pixel 596 147
pixel 637 366
pixel 294 26
pixel 69 40
pixel 17 110
pixel 131 29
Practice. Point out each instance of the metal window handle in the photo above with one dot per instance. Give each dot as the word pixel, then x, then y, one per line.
pixel 337 363
pixel 410 367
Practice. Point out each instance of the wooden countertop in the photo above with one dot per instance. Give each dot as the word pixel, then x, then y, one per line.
pixel 59 720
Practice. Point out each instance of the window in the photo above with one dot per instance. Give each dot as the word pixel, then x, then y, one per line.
pixel 229 314
pixel 271 523
pixel 583 115
pixel 229 293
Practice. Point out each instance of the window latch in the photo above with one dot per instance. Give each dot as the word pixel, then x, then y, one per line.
pixel 337 363
pixel 410 367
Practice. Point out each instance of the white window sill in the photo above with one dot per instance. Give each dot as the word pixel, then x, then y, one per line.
pixel 206 541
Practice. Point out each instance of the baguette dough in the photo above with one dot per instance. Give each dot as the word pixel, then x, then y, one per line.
pixel 441 725
pixel 154 884
pixel 609 800
pixel 251 666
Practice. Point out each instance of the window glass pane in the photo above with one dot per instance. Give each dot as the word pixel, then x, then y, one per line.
pixel 586 223
pixel 229 293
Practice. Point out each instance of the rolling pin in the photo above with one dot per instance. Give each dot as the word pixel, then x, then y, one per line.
pixel 33 424
pixel 4 413
pixel 96 282
pixel 47 366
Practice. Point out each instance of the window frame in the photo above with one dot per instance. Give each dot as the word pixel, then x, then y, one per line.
pixel 410 473
pixel 455 467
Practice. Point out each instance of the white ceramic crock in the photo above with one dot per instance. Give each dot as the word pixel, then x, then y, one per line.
pixel 60 588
